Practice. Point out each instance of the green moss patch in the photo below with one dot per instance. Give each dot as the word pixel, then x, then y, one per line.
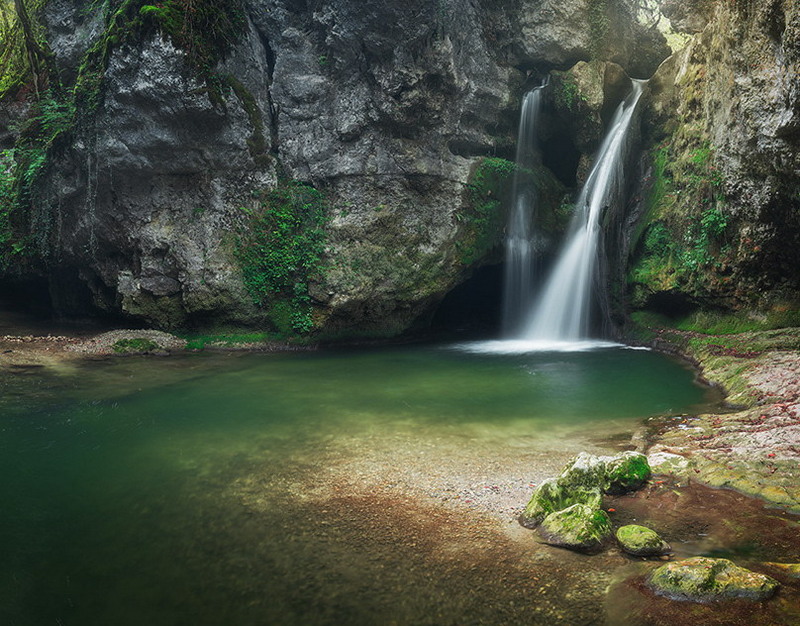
pixel 641 541
pixel 136 345
pixel 701 579
pixel 279 250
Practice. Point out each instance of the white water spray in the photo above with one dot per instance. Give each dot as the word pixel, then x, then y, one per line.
pixel 563 309
pixel 518 283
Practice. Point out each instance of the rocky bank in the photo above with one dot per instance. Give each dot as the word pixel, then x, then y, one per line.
pixel 754 445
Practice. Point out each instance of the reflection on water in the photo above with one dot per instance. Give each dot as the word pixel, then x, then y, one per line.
pixel 314 488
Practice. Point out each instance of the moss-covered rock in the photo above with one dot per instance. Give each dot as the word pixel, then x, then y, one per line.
pixel 578 527
pixel 585 471
pixel 626 472
pixel 551 496
pixel 641 541
pixel 701 579
pixel 583 481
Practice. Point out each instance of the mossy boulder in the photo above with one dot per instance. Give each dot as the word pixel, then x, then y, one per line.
pixel 701 579
pixel 585 471
pixel 641 541
pixel 583 481
pixel 626 472
pixel 552 496
pixel 578 527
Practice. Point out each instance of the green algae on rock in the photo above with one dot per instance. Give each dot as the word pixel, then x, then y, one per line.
pixel 626 472
pixel 583 481
pixel 552 496
pixel 701 579
pixel 641 541
pixel 578 527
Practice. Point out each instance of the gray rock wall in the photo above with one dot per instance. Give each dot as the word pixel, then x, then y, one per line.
pixel 384 106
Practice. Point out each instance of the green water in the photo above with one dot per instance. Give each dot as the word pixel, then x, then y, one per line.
pixel 191 490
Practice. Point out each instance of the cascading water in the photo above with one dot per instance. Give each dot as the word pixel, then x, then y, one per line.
pixel 518 284
pixel 560 319
pixel 562 312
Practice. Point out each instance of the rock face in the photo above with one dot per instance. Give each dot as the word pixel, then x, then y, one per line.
pixel 701 579
pixel 724 214
pixel 388 108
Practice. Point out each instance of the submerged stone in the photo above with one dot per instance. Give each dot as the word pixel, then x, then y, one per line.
pixel 626 472
pixel 641 541
pixel 700 579
pixel 578 527
pixel 789 569
pixel 552 496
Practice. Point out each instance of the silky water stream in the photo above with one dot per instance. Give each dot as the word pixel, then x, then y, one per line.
pixel 331 487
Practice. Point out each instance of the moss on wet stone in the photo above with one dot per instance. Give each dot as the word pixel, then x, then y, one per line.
pixel 136 345
pixel 552 496
pixel 701 579
pixel 641 541
pixel 626 472
pixel 578 527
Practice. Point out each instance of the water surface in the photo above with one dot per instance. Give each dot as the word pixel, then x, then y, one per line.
pixel 321 487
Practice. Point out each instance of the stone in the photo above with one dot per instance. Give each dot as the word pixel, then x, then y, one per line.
pixel 585 471
pixel 578 527
pixel 668 463
pixel 552 496
pixel 626 472
pixel 641 541
pixel 701 579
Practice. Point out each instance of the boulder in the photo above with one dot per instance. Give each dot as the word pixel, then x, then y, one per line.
pixel 701 579
pixel 578 527
pixel 641 541
pixel 552 496
pixel 626 472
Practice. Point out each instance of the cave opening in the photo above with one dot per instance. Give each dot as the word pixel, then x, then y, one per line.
pixel 561 156
pixel 473 308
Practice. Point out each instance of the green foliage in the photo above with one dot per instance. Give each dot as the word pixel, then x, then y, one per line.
pixel 280 251
pixel 21 170
pixel 723 323
pixel 204 29
pixel 136 345
pixel 7 202
pixel 566 94
pixel 686 232
pixel 231 340
pixel 483 221
pixel 15 61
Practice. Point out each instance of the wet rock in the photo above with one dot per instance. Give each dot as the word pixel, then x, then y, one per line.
pixel 641 541
pixel 552 496
pixel 586 471
pixel 668 463
pixel 792 570
pixel 583 481
pixel 701 579
pixel 626 472
pixel 578 527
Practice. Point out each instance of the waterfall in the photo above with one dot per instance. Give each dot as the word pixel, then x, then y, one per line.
pixel 518 280
pixel 563 309
pixel 561 315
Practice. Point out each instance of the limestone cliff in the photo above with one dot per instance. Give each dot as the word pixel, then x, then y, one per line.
pixel 723 228
pixel 152 182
